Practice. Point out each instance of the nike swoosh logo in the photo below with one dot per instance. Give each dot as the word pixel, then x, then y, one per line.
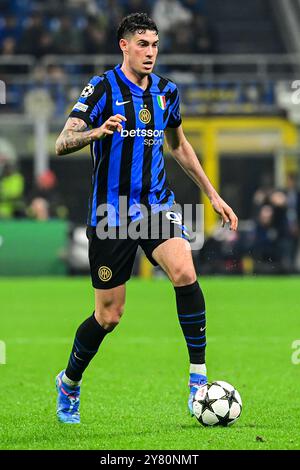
pixel 119 103
pixel 78 357
pixel 202 329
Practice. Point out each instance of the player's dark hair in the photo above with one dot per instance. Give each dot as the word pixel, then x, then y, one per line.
pixel 135 22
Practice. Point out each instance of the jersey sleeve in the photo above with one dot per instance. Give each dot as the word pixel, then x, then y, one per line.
pixel 91 102
pixel 174 116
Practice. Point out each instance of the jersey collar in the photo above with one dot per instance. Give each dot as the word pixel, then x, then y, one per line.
pixel 133 87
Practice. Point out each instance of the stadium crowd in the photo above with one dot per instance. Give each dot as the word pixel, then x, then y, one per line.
pixel 88 26
pixel 21 198
pixel 267 243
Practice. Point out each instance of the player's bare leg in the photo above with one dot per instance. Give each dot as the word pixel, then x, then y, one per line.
pixel 109 304
pixel 175 258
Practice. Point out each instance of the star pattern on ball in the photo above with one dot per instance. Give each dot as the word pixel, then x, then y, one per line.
pixel 224 421
pixel 230 395
pixel 87 91
pixel 207 403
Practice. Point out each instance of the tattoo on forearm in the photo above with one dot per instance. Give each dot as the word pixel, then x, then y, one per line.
pixel 72 139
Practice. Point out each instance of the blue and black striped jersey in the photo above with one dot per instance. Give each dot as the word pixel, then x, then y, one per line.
pixel 129 163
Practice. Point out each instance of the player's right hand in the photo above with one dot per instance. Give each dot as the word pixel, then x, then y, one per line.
pixel 113 124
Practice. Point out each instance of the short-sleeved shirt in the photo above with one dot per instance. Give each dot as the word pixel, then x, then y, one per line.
pixel 129 163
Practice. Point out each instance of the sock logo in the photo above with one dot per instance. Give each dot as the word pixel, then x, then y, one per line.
pixel 78 357
pixel 202 328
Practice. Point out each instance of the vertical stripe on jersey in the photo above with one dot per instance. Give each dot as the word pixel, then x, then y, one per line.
pixel 161 178
pixel 164 196
pixel 158 175
pixel 115 160
pixel 128 143
pixel 163 82
pixel 95 153
pixel 148 150
pixel 137 164
pixel 101 172
pixel 173 97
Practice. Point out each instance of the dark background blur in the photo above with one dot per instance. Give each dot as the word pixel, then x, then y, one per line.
pixel 236 65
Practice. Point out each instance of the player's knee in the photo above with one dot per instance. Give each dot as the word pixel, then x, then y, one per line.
pixel 181 276
pixel 113 316
pixel 109 316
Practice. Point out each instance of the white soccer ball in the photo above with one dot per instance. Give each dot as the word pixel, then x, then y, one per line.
pixel 217 403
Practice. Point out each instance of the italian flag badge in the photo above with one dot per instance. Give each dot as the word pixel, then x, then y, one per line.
pixel 162 102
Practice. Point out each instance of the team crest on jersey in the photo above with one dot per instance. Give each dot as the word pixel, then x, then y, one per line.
pixel 104 273
pixel 87 91
pixel 161 99
pixel 145 115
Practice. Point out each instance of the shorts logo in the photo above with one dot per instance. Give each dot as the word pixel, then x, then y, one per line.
pixel 145 115
pixel 104 273
pixel 87 91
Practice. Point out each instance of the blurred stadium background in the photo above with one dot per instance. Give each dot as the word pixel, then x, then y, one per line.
pixel 236 65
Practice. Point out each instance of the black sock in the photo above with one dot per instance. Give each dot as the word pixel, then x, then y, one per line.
pixel 191 313
pixel 88 338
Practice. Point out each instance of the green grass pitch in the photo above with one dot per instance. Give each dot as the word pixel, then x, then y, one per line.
pixel 134 394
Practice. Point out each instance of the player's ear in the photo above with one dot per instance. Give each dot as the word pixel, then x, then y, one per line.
pixel 123 43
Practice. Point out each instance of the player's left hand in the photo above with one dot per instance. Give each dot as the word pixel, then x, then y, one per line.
pixel 225 211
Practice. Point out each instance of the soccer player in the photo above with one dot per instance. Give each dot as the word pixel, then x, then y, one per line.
pixel 124 115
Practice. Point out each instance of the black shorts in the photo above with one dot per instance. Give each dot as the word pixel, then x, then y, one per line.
pixel 112 257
